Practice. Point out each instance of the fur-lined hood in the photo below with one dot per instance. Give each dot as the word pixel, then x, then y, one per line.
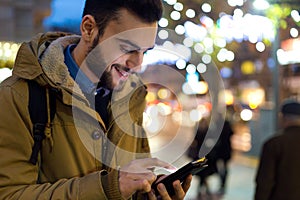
pixel 43 59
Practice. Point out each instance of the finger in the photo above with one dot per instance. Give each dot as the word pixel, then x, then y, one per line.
pixel 128 188
pixel 187 183
pixel 151 195
pixel 179 192
pixel 150 177
pixel 160 163
pixel 163 192
pixel 143 185
pixel 136 168
pixel 160 177
pixel 149 163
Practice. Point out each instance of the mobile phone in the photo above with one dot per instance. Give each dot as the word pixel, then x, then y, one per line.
pixel 181 174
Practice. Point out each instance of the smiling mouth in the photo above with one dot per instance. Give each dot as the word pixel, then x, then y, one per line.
pixel 123 71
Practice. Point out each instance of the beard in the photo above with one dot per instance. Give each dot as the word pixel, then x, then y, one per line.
pixel 106 80
pixel 96 63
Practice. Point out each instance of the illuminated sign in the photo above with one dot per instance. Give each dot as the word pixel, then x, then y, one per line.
pixel 289 52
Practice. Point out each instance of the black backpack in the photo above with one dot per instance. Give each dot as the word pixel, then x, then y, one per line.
pixel 39 115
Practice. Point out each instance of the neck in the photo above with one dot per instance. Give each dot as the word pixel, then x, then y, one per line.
pixel 79 54
pixel 291 123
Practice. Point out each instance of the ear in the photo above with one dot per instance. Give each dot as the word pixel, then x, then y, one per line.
pixel 88 28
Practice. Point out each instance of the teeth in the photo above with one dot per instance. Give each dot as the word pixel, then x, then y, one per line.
pixel 119 69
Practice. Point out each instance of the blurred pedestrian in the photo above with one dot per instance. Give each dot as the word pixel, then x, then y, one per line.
pixel 223 154
pixel 279 169
pixel 193 153
pixel 217 158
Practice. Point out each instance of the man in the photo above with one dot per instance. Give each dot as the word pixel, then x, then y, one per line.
pixel 278 173
pixel 96 148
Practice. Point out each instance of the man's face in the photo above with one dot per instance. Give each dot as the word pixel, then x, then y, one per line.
pixel 121 48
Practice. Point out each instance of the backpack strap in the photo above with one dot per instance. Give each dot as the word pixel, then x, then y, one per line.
pixel 41 99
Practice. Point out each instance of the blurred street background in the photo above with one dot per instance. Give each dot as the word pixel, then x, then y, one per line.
pixel 238 58
pixel 240 183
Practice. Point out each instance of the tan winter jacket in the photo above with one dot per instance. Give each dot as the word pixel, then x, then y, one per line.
pixel 71 160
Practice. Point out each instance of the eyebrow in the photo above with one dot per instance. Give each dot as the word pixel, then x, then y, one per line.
pixel 133 44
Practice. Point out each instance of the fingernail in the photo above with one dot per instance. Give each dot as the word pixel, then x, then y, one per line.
pixel 172 167
pixel 176 184
pixel 161 187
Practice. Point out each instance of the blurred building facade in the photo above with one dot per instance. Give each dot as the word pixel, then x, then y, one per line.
pixel 21 19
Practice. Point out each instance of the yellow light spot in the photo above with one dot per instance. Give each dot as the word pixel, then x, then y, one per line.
pixel 150 97
pixel 248 67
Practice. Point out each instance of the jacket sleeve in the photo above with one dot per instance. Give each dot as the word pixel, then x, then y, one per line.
pixel 19 177
pixel 266 174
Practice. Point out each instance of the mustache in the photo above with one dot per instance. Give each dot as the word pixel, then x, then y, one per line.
pixel 125 71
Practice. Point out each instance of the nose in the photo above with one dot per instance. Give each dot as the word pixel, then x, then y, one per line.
pixel 135 59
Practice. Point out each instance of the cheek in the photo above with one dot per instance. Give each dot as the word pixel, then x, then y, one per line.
pixel 121 60
pixel 113 73
pixel 114 76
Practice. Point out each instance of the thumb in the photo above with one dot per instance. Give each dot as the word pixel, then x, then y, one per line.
pixel 152 163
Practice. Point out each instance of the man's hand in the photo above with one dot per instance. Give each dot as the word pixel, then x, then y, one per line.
pixel 180 190
pixel 138 176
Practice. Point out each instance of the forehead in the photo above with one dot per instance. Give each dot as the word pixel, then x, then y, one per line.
pixel 130 27
pixel 139 38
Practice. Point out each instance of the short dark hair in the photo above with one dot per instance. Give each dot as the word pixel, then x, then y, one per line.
pixel 106 10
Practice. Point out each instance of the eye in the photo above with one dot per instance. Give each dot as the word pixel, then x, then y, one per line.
pixel 145 52
pixel 131 51
pixel 127 49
